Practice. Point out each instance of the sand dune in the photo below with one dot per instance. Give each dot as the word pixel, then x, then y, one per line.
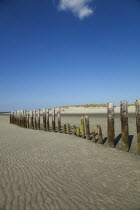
pixel 41 170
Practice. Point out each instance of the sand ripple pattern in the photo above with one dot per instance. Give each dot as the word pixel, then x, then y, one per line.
pixel 40 170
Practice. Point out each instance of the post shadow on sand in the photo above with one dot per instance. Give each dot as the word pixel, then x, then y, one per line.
pixel 130 138
pixel 117 139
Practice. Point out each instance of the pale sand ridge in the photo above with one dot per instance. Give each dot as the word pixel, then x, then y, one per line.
pixel 40 170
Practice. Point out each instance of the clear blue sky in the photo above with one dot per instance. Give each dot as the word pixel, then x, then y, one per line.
pixel 53 53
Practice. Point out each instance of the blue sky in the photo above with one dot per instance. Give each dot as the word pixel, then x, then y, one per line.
pixel 65 52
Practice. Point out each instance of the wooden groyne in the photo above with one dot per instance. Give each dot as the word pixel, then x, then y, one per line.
pixel 32 119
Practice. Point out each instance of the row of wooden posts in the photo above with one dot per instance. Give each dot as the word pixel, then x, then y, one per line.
pixel 31 119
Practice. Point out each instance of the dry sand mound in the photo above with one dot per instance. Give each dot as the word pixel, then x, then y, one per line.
pixel 40 170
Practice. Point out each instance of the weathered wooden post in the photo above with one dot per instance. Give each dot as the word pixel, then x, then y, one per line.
pixel 14 117
pixel 124 125
pixel 137 105
pixel 68 128
pixel 25 121
pixel 74 130
pixel 27 116
pixel 93 136
pixel 22 118
pixel 87 129
pixel 100 136
pixel 111 130
pixel 44 119
pixel 78 132
pixel 64 128
pixel 59 120
pixel 31 119
pixel 35 121
pixel 82 127
pixel 38 119
pixel 47 120
pixel 53 119
pixel 17 117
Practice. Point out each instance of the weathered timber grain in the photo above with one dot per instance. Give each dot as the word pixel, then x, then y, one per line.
pixel 44 119
pixel 87 128
pixel 53 119
pixel 31 119
pixel 124 125
pixel 100 136
pixel 68 128
pixel 35 120
pixel 82 127
pixel 59 120
pixel 64 128
pixel 74 130
pixel 47 120
pixel 78 132
pixel 111 130
pixel 38 119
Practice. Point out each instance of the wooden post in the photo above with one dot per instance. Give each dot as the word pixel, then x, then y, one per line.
pixel 47 120
pixel 53 119
pixel 31 119
pixel 35 121
pixel 137 104
pixel 87 129
pixel 64 128
pixel 111 130
pixel 27 116
pixel 82 127
pixel 25 120
pixel 100 136
pixel 38 119
pixel 22 118
pixel 124 125
pixel 59 120
pixel 44 119
pixel 74 130
pixel 68 128
pixel 93 136
pixel 78 132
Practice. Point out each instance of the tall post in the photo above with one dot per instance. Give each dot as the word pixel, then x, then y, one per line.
pixel 35 121
pixel 137 105
pixel 59 120
pixel 111 130
pixel 27 116
pixel 53 119
pixel 31 119
pixel 22 118
pixel 82 127
pixel 44 119
pixel 47 120
pixel 100 136
pixel 87 129
pixel 25 120
pixel 124 125
pixel 38 119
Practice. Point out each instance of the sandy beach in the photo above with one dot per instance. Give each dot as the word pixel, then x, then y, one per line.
pixel 43 170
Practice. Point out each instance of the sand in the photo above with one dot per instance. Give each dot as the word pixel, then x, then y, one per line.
pixel 41 170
